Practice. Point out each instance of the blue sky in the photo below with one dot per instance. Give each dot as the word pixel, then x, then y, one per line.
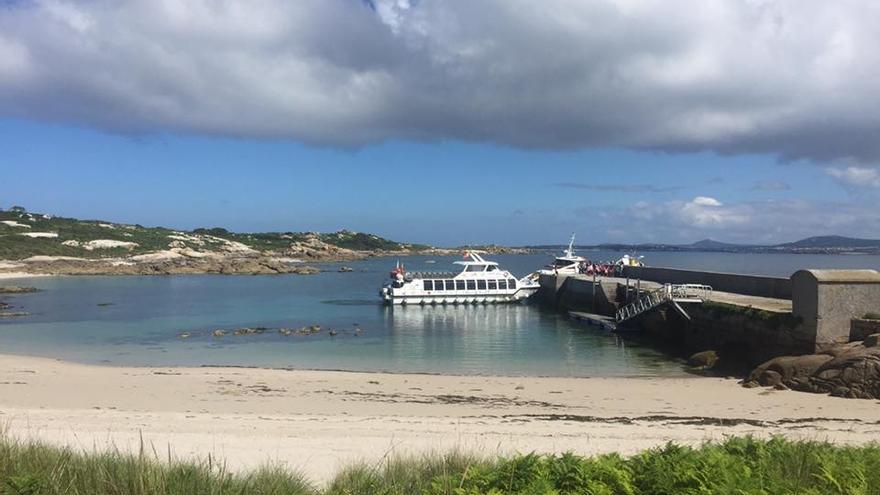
pixel 447 121
pixel 445 193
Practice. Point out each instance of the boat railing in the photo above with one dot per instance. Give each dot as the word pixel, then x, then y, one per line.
pixel 431 275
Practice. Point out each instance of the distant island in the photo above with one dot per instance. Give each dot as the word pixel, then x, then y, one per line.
pixel 37 243
pixel 828 244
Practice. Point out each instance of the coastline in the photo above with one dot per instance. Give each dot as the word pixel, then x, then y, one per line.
pixel 317 421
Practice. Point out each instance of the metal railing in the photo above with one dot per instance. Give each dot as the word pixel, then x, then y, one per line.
pixel 669 292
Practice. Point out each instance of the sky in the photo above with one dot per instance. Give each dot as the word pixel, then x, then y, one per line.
pixel 448 121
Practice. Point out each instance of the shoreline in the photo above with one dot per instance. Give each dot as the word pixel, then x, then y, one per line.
pixel 318 421
pixel 685 375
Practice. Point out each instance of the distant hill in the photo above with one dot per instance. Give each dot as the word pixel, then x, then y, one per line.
pixel 817 245
pixel 831 242
pixel 709 244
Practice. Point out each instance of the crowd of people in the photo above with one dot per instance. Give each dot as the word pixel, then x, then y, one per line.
pixel 606 269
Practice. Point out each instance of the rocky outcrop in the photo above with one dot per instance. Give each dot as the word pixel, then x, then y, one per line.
pixel 227 265
pixel 848 370
pixel 313 248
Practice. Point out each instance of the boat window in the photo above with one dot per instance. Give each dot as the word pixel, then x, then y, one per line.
pixel 450 285
pixel 459 285
pixel 471 285
pixel 502 284
pixel 429 284
pixel 438 285
pixel 493 285
pixel 481 285
pixel 562 263
pixel 511 284
pixel 475 268
pixel 491 268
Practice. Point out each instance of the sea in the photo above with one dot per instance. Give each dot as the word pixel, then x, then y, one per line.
pixel 164 321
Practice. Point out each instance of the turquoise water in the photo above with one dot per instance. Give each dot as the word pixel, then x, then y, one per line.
pixel 138 320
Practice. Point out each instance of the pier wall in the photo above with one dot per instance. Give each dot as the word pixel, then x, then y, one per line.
pixel 829 307
pixel 579 293
pixel 750 285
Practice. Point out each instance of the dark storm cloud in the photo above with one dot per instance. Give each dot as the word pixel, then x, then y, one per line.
pixel 797 78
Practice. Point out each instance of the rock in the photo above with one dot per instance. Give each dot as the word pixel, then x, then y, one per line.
pixel 17 290
pixel 849 370
pixel 703 360
pixel 333 333
pixel 218 333
pixel 786 369
pixel 345 269
pixel 285 331
pixel 872 340
pixel 250 331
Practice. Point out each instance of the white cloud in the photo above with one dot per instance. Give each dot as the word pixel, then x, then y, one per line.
pixel 856 177
pixel 747 222
pixel 780 76
pixel 705 201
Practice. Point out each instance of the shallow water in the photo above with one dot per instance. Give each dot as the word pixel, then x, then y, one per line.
pixel 138 320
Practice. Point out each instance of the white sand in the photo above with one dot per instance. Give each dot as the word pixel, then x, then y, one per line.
pixel 108 244
pixel 317 421
pixel 9 275
pixel 157 256
pixel 13 223
pixel 46 235
pixel 55 258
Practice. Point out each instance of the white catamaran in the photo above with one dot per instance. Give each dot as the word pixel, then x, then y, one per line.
pixel 479 282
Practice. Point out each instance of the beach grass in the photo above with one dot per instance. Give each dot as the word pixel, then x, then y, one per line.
pixel 739 465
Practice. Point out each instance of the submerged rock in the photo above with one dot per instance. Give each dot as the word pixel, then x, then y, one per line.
pixel 218 333
pixel 12 289
pixel 13 314
pixel 250 331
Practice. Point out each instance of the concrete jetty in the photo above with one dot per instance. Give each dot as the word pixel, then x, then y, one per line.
pixel 753 317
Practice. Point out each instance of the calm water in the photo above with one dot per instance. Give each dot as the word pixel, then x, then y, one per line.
pixel 138 320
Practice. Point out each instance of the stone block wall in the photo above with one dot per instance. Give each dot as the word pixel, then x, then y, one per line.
pixel 750 285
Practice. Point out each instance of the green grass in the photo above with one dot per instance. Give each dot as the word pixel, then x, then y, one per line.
pixel 742 466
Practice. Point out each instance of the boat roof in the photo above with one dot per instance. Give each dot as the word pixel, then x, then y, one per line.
pixel 571 258
pixel 475 263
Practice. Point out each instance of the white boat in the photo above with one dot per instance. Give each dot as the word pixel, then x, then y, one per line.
pixel 568 263
pixel 628 260
pixel 479 282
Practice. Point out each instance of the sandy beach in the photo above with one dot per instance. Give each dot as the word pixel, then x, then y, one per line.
pixel 317 421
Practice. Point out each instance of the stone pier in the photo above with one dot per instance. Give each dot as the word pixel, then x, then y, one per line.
pixel 752 318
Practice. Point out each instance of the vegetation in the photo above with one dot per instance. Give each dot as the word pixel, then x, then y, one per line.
pixel 717 310
pixel 872 315
pixel 72 233
pixel 737 466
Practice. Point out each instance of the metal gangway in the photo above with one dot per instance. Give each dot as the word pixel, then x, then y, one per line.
pixel 669 293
